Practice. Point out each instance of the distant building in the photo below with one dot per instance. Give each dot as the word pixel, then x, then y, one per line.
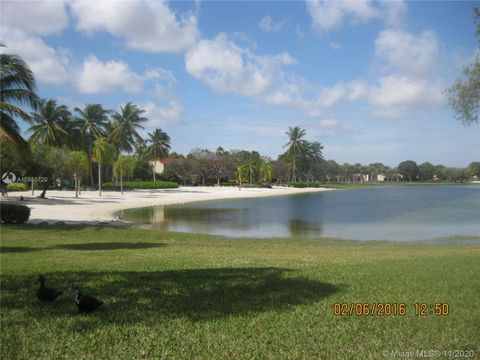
pixel 391 177
pixel 361 177
pixel 157 165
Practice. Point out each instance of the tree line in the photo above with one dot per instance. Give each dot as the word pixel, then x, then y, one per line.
pixel 91 144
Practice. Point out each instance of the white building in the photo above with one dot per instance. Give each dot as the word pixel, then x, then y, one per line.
pixel 157 165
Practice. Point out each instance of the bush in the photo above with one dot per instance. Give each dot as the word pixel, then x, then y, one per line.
pixel 143 185
pixel 17 187
pixel 11 213
pixel 229 183
pixel 299 184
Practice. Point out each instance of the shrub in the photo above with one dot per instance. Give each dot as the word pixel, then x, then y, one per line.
pixel 12 213
pixel 17 187
pixel 230 182
pixel 299 184
pixel 143 185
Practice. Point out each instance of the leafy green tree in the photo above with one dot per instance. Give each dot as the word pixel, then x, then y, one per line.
pixel 464 94
pixel 126 125
pixel 50 162
pixel 17 92
pixel 311 159
pixel 474 170
pixel 409 170
pixel 46 124
pixel 142 169
pixel 78 162
pixel 296 147
pixel 124 166
pixel 159 146
pixel 92 120
pixel 104 152
pixel 426 171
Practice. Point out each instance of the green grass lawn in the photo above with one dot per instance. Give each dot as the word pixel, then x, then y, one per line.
pixel 183 296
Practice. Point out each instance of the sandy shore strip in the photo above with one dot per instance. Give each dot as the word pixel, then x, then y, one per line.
pixel 89 207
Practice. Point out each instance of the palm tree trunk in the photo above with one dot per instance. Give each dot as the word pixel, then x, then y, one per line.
pixel 121 181
pixel 91 164
pixel 76 184
pixel 154 163
pixel 99 179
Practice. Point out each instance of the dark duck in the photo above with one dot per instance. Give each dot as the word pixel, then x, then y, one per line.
pixel 85 304
pixel 46 294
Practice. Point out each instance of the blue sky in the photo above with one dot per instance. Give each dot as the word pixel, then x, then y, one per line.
pixel 366 79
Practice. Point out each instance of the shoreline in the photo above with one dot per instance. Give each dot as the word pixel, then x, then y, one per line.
pixel 90 208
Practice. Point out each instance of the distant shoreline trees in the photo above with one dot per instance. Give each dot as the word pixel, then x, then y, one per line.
pixel 71 148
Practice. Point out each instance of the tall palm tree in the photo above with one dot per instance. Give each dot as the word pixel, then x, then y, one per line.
pixel 159 146
pixel 17 92
pixel 104 152
pixel 126 124
pixel 266 171
pixel 78 162
pixel 295 146
pixel 47 123
pixel 124 166
pixel 92 121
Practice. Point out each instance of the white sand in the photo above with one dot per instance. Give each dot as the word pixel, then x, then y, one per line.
pixel 89 207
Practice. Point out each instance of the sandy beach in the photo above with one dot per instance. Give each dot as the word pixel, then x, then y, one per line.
pixel 89 207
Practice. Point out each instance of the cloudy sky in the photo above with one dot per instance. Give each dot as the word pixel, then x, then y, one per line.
pixel 366 79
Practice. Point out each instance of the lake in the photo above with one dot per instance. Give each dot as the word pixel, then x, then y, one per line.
pixel 377 213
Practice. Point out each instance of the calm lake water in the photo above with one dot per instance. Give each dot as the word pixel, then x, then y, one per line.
pixel 390 213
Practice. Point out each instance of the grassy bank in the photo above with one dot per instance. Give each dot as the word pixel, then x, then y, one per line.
pixel 182 296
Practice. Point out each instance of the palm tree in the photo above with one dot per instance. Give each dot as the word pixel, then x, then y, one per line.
pixel 126 124
pixel 92 121
pixel 124 166
pixel 103 151
pixel 47 123
pixel 159 146
pixel 295 146
pixel 266 171
pixel 78 161
pixel 241 174
pixel 17 91
pixel 251 168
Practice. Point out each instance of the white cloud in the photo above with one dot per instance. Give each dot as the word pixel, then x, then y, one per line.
pixel 96 76
pixel 47 64
pixel 227 67
pixel 395 95
pixel 330 15
pixel 145 25
pixel 402 51
pixel 327 15
pixel 162 115
pixel 410 67
pixel 330 96
pixel 35 17
pixel 394 12
pixel 268 25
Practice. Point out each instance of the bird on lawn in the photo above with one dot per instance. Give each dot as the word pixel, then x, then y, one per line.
pixel 85 304
pixel 45 293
